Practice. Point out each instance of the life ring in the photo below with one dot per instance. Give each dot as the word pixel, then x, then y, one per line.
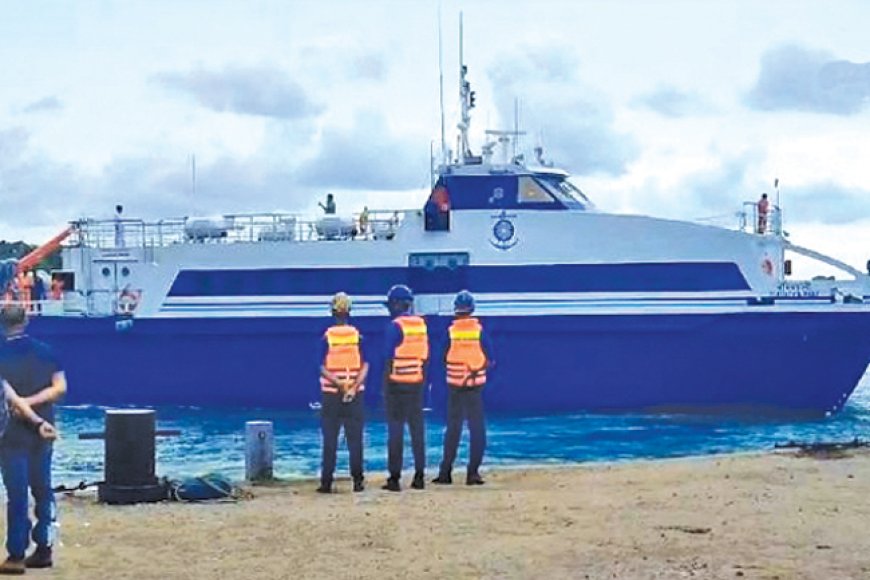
pixel 128 300
pixel 767 266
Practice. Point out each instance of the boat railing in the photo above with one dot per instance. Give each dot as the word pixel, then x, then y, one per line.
pixel 236 228
pixel 84 303
pixel 750 219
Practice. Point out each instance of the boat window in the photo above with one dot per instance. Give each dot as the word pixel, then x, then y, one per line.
pixel 530 191
pixel 565 191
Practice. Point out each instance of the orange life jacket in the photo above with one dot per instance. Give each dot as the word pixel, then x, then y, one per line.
pixel 466 361
pixel 343 357
pixel 412 353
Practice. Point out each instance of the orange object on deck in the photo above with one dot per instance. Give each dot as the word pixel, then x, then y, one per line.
pixel 42 252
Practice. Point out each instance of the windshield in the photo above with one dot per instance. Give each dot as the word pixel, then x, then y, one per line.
pixel 565 191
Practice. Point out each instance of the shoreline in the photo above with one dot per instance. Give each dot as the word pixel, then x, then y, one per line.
pixel 751 515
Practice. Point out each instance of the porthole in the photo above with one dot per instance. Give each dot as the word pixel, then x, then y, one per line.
pixel 105 272
pixel 125 271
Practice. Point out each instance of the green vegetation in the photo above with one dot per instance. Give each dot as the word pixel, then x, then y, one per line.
pixel 20 249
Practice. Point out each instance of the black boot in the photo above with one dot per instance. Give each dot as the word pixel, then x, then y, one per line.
pixel 444 478
pixel 40 558
pixel 359 484
pixel 474 479
pixel 325 488
pixel 419 480
pixel 392 484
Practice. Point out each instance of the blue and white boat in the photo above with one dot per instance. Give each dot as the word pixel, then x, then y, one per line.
pixel 589 311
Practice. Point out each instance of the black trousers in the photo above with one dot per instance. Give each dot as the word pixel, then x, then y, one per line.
pixel 404 404
pixel 464 404
pixel 334 414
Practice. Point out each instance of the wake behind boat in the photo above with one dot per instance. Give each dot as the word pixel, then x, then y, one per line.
pixel 589 311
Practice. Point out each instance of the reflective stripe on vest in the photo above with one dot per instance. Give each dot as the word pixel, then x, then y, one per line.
pixel 466 361
pixel 412 353
pixel 343 358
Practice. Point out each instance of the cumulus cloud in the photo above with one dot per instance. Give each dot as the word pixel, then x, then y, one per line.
pixel 826 203
pixel 43 105
pixel 367 156
pixel 260 91
pixel 46 193
pixel 576 125
pixel 796 78
pixel 672 102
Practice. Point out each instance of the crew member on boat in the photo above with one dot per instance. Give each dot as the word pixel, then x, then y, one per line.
pixel 329 208
pixel 468 357
pixel 342 382
pixel 763 211
pixel 405 360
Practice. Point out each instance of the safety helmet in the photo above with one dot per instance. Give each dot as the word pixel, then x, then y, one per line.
pixel 341 303
pixel 400 293
pixel 463 303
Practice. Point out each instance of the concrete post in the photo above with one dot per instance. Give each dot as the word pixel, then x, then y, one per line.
pixel 259 450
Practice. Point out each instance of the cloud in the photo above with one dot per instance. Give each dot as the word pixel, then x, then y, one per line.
pixel 672 102
pixel 371 67
pixel 826 203
pixel 45 193
pixel 576 125
pixel 260 91
pixel 367 156
pixel 13 142
pixel 45 104
pixel 795 78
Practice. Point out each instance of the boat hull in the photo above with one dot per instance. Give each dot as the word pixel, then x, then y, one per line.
pixel 755 362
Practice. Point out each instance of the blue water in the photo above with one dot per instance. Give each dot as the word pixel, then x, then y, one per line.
pixel 213 440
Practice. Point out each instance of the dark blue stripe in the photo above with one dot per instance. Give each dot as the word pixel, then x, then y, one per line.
pixel 643 277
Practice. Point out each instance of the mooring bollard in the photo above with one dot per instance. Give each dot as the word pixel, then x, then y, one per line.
pixel 129 457
pixel 259 453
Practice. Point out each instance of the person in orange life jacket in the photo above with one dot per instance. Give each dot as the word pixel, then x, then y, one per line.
pixel 33 371
pixel 469 355
pixel 405 358
pixel 342 381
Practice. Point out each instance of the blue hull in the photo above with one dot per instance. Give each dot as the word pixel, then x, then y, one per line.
pixel 768 362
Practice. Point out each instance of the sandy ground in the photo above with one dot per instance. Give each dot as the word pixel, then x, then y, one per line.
pixel 752 516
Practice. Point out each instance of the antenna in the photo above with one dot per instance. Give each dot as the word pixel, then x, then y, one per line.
pixel 193 174
pixel 441 89
pixel 776 187
pixel 466 97
pixel 516 125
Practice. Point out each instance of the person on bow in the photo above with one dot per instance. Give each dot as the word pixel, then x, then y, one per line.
pixel 405 359
pixel 34 373
pixel 763 212
pixel 342 382
pixel 468 357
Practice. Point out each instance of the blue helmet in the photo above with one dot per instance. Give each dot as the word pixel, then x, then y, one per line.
pixel 463 303
pixel 400 293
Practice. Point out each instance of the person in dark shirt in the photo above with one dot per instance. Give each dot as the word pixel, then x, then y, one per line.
pixel 329 208
pixel 343 372
pixel 467 360
pixel 406 356
pixel 34 373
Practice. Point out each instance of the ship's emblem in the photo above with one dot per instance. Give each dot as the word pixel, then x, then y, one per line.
pixel 504 233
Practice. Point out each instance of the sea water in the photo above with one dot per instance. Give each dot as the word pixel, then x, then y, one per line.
pixel 213 440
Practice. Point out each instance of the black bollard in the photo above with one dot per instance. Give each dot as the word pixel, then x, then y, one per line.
pixel 129 468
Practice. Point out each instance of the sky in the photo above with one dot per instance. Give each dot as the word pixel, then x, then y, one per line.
pixel 679 109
